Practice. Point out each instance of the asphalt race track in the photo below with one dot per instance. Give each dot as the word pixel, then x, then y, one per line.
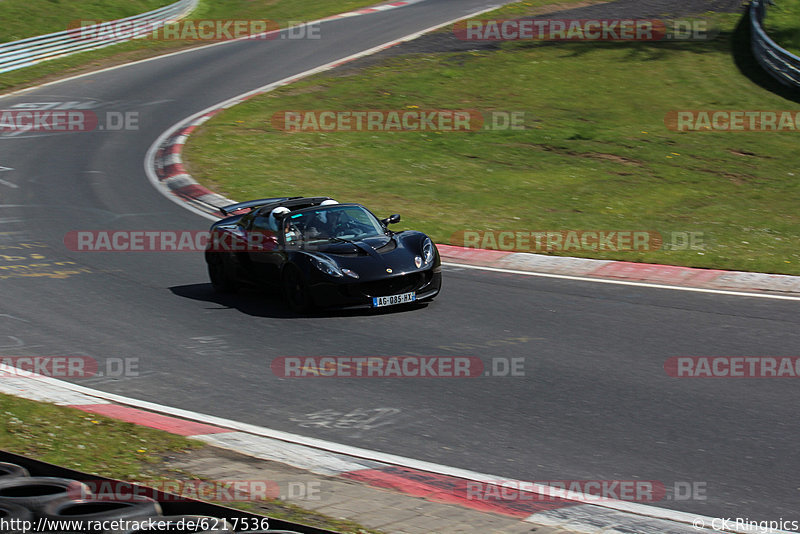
pixel 595 401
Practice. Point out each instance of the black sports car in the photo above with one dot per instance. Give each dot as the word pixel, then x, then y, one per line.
pixel 321 253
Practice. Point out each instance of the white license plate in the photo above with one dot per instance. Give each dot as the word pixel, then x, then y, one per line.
pixel 402 298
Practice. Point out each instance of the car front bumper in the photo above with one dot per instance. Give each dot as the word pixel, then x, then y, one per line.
pixel 355 294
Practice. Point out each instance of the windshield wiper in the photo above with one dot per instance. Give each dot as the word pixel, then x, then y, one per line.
pixel 343 240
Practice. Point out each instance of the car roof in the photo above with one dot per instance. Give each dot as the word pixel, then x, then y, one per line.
pixel 266 205
pixel 298 205
pixel 331 206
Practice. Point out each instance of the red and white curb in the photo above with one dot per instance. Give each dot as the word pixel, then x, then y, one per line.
pixel 544 505
pixel 738 283
pixel 373 9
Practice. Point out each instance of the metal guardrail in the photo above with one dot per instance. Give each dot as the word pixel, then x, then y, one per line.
pixel 30 51
pixel 778 62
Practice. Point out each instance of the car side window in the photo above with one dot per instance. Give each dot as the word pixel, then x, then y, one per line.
pixel 263 233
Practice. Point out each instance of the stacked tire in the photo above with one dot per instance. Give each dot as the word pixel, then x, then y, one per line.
pixel 43 502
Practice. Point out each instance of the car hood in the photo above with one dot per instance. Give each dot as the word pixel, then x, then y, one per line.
pixel 374 257
pixel 356 247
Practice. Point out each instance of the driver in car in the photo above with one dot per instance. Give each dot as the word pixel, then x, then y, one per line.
pixel 322 223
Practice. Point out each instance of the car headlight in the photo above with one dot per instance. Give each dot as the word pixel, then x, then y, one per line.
pixel 427 250
pixel 326 266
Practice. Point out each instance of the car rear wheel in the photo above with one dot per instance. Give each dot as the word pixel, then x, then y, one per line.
pixel 295 290
pixel 219 275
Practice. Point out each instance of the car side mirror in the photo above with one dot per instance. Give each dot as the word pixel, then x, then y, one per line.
pixel 391 219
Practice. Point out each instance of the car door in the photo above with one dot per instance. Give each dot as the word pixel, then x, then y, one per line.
pixel 263 250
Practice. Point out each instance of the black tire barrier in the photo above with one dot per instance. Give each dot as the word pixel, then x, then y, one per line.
pixel 35 493
pixel 183 524
pixel 99 510
pixel 173 507
pixel 8 470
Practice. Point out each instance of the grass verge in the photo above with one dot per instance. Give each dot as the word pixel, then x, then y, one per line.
pixel 102 446
pixel 537 7
pixel 594 153
pixel 86 442
pixel 281 12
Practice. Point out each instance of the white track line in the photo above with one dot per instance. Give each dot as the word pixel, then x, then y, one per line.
pixel 366 454
pixel 625 282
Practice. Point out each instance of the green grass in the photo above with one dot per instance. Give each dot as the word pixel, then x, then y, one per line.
pixel 782 24
pixel 279 11
pixel 595 152
pixel 29 18
pixel 78 440
pixel 531 7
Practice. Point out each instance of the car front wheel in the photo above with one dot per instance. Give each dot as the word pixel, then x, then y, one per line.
pixel 295 290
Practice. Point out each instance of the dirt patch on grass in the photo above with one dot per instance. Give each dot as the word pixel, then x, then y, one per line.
pixel 611 157
pixel 590 155
pixel 743 153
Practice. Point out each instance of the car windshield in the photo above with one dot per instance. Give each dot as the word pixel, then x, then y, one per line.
pixel 331 223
